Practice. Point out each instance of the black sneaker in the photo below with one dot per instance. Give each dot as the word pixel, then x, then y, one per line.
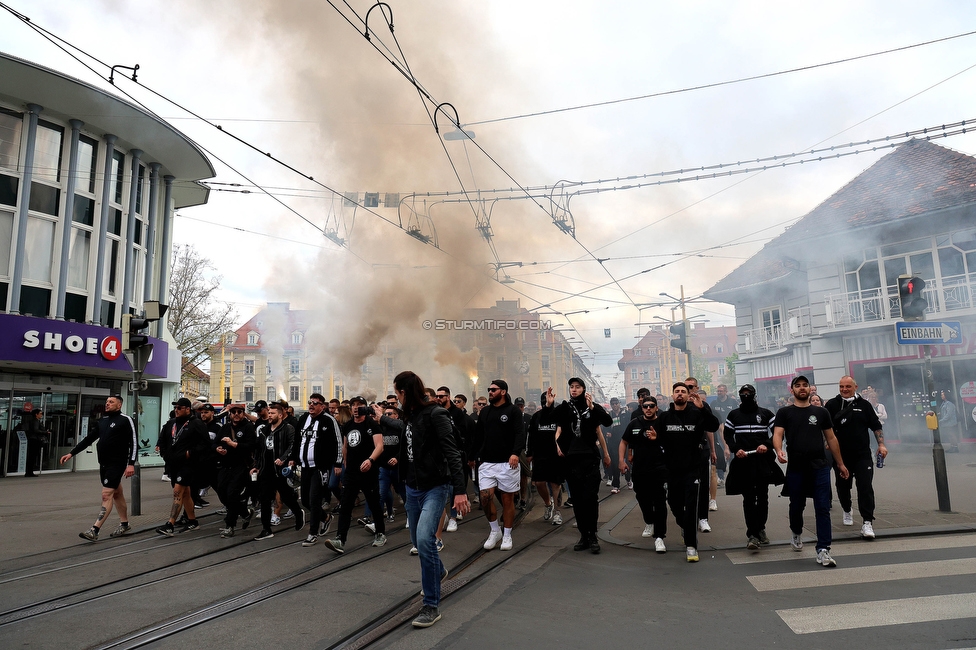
pixel 299 519
pixel 182 521
pixel 193 524
pixel 265 534
pixel 325 524
pixel 246 520
pixel 364 521
pixel 427 617
pixel 203 503
pixel 167 529
pixel 763 538
pixel 594 544
pixel 582 545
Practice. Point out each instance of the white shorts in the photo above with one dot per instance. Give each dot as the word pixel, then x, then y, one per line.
pixel 498 475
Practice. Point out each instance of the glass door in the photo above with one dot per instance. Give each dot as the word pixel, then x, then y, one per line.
pixel 38 447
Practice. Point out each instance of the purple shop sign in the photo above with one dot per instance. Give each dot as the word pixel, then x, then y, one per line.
pixel 41 344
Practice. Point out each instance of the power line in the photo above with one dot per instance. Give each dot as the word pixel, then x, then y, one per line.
pixel 718 83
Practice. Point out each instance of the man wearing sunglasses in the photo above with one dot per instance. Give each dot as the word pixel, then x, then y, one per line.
pixel 234 447
pixel 650 473
pixel 320 454
pixel 499 439
pixel 443 397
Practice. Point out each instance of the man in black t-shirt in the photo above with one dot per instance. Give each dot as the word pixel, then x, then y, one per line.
pixel 362 447
pixel 650 473
pixel 548 472
pixel 806 428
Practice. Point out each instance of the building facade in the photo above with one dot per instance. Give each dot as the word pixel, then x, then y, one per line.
pixel 88 186
pixel 822 298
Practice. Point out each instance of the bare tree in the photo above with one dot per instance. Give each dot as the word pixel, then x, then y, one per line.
pixel 196 319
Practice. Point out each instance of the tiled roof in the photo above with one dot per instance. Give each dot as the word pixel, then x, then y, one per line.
pixel 916 178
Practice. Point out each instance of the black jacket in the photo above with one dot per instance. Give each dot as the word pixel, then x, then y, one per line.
pixel 116 438
pixel 853 425
pixel 429 444
pixel 499 434
pixel 746 428
pixel 327 450
pixel 282 441
pixel 189 441
pixel 683 435
pixel 243 454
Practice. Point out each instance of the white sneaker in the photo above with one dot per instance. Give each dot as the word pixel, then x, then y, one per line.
pixel 630 485
pixel 691 554
pixel 703 526
pixel 275 520
pixel 406 524
pixel 712 505
pixel 867 530
pixel 547 514
pixel 659 546
pixel 609 482
pixel 796 543
pixel 451 526
pixel 848 518
pixel 557 519
pixel 506 543
pixel 648 531
pixel 414 550
pixel 824 559
pixel 165 478
pixel 493 538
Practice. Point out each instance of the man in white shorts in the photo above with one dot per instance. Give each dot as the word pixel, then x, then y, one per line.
pixel 499 439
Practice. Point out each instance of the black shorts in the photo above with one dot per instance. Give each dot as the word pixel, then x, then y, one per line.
pixel 111 475
pixel 182 475
pixel 548 470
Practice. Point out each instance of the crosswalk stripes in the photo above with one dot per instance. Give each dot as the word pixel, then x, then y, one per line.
pixel 870 613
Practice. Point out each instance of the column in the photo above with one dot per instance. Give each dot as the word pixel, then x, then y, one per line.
pixel 130 236
pixel 151 235
pixel 68 217
pixel 101 239
pixel 166 248
pixel 33 110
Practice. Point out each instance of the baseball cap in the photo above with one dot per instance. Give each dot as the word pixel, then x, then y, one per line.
pixel 501 383
pixel 260 404
pixel 183 402
pixel 798 379
pixel 207 407
pixel 519 401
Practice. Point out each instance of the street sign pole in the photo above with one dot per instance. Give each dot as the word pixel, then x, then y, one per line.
pixel 938 452
pixel 138 359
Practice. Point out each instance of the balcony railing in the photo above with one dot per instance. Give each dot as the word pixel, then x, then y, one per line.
pixel 774 337
pixel 955 293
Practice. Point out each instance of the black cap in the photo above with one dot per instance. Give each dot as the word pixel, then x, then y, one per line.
pixel 747 388
pixel 576 380
pixel 260 404
pixel 501 383
pixel 207 407
pixel 614 400
pixel 519 401
pixel 183 402
pixel 360 399
pixel 797 380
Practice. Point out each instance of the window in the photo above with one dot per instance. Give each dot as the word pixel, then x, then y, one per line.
pixel 721 369
pixel 249 366
pixel 637 352
pixel 118 176
pixel 316 389
pixel 296 338
pixel 295 366
pixel 231 339
pixel 633 374
pixel 861 271
pixel 545 362
pixel 268 367
pixel 390 366
pixel 657 374
pixel 703 349
pixel 271 394
pixel 226 368
pixel 47 152
pixel 249 393
pixel 78 255
pixel 6 235
pixel 252 338
pixel 720 348
pixel 481 365
pixel 87 161
pixel 293 394
pixel 770 318
pixel 39 249
pixel 634 396
pixel 11 125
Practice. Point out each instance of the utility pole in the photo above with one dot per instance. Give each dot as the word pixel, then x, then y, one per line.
pixel 938 452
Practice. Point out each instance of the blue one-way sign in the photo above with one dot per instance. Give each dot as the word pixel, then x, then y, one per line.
pixel 929 333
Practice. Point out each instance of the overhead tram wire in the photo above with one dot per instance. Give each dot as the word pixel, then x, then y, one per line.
pixel 718 83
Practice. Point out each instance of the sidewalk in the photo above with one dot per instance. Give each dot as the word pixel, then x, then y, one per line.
pixel 905 494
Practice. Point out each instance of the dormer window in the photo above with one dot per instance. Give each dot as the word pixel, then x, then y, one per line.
pixel 296 338
pixel 252 338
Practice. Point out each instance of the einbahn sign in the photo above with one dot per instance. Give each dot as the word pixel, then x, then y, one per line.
pixel 928 332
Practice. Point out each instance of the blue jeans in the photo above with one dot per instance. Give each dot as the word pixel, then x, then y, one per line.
pixel 816 483
pixel 424 508
pixel 388 480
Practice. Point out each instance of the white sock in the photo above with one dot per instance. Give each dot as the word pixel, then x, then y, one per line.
pixel 507 533
pixel 494 526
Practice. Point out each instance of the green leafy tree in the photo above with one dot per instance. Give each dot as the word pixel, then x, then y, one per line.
pixel 701 372
pixel 729 377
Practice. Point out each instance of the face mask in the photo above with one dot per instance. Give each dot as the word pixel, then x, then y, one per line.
pixel 747 398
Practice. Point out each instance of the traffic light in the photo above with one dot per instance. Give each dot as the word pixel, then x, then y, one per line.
pixel 913 305
pixel 679 341
pixel 133 336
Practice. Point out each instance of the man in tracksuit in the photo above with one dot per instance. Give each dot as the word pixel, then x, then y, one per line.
pixel 319 446
pixel 234 447
pixel 854 419
pixel 275 442
pixel 116 450
pixel 683 433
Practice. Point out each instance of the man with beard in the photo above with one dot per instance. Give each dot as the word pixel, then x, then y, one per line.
pixel 707 495
pixel 548 471
pixel 207 466
pixel 319 446
pixel 854 418
pixel 748 436
pixel 612 435
pixel 189 443
pixel 442 397
pixel 683 431
pixel 805 429
pixel 500 438
pixel 650 471
pixel 275 443
pixel 234 447
pixel 580 440
pixel 362 447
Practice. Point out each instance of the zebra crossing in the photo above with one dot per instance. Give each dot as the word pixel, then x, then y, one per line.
pixel 872 566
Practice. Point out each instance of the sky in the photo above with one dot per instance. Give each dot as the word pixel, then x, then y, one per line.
pixel 297 79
